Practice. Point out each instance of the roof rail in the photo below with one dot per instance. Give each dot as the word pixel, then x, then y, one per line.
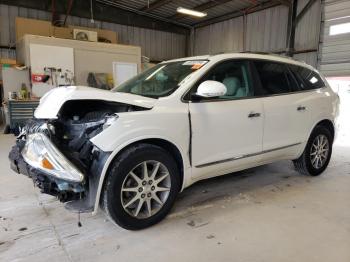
pixel 257 52
pixel 280 54
pixel 272 54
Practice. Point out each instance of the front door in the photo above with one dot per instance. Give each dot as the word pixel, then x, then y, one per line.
pixel 226 130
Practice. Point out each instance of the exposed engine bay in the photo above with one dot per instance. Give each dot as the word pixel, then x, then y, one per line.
pixel 77 122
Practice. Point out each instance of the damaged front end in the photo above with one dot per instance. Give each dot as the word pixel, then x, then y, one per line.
pixel 59 157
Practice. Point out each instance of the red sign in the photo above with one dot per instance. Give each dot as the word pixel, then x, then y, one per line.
pixel 36 78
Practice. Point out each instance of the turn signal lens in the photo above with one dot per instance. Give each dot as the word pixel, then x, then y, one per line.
pixel 46 164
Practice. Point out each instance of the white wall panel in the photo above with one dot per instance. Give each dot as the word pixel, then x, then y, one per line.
pixel 158 45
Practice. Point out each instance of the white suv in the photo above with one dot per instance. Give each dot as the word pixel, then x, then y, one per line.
pixel 133 149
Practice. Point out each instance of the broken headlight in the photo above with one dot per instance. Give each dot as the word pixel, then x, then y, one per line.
pixel 40 153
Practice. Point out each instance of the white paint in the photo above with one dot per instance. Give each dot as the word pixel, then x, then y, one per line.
pixel 211 88
pixel 51 103
pixel 220 130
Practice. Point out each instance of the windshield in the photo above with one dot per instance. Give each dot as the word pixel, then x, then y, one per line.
pixel 160 80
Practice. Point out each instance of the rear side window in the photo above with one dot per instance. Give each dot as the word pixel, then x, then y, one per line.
pixel 306 78
pixel 275 78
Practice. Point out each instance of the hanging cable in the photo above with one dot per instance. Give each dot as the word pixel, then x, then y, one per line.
pixel 91 12
pixel 68 11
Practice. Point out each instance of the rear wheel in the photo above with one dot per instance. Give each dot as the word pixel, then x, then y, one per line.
pixel 141 187
pixel 317 153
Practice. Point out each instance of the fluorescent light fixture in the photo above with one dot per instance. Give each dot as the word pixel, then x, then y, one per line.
pixel 339 29
pixel 190 12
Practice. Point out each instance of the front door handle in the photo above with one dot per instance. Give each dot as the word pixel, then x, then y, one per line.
pixel 254 115
pixel 301 108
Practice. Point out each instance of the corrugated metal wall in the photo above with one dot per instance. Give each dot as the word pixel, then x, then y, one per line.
pixel 334 53
pixel 264 31
pixel 226 36
pixel 308 29
pixel 267 30
pixel 158 45
pixel 307 33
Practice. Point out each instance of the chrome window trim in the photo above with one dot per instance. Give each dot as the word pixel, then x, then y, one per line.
pixel 184 100
pixel 253 97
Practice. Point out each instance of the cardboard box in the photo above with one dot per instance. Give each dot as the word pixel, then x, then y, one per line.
pixel 7 61
pixel 31 26
pixel 62 32
pixel 44 28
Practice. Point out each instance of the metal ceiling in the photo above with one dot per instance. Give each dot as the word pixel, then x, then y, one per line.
pixel 166 9
pixel 152 14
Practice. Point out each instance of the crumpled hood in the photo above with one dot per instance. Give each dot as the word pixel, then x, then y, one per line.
pixel 51 102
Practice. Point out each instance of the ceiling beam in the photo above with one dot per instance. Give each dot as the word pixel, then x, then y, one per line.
pixel 292 23
pixel 156 4
pixel 238 13
pixel 305 9
pixel 104 12
pixel 202 7
pixel 285 2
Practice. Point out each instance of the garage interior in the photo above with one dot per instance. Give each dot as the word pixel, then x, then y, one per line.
pixel 268 213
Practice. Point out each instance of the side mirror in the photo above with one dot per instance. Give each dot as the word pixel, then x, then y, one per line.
pixel 211 88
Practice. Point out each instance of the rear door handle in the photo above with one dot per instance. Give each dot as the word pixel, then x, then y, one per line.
pixel 301 108
pixel 254 115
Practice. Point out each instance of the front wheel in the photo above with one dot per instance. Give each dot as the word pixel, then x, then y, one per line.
pixel 141 187
pixel 317 153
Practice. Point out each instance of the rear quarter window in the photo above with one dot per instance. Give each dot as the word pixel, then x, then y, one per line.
pixel 307 79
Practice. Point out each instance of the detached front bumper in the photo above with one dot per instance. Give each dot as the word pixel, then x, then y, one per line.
pixel 38 158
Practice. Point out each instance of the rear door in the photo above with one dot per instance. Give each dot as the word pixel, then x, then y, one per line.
pixel 286 115
pixel 316 96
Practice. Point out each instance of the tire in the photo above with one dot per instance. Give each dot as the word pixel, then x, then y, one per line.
pixel 305 164
pixel 116 202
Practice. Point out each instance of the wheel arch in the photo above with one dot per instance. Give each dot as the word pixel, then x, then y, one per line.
pixel 161 142
pixel 328 124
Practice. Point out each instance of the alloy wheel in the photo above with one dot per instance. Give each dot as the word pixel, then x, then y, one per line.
pixel 319 151
pixel 145 189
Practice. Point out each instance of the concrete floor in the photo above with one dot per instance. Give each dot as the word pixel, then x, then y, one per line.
pixel 270 213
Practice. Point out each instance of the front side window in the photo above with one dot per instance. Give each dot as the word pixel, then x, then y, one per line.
pixel 307 78
pixel 234 75
pixel 274 77
pixel 160 80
